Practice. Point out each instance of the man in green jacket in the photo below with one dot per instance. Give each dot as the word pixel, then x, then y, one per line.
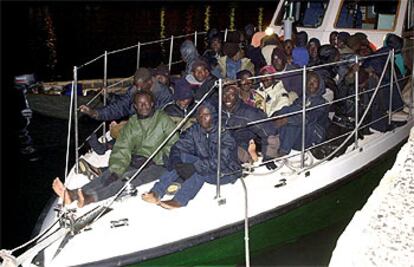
pixel 138 139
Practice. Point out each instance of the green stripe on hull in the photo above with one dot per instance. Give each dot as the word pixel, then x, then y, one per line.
pixel 313 213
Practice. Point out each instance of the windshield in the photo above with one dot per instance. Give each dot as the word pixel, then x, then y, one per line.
pixel 308 13
pixel 374 15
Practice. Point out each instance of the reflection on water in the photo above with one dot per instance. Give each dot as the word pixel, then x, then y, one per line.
pixel 207 18
pixel 70 34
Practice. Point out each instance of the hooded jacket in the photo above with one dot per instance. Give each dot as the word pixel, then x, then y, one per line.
pixel 203 145
pixel 141 137
pixel 189 54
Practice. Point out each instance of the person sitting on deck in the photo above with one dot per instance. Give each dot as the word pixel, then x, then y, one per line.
pixel 232 62
pixel 248 93
pixel 140 137
pixel 317 120
pixel 194 159
pixel 183 103
pixel 236 113
pixel 162 74
pixel 124 106
pixel 214 50
pixel 273 94
pixel 203 81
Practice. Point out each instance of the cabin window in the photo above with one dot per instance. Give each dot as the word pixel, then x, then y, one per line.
pixel 370 15
pixel 308 14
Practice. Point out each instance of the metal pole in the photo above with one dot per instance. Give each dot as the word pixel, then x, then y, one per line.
pixel 195 38
pixel 219 137
pixel 356 102
pixel 391 87
pixel 171 52
pixel 138 54
pixel 105 94
pixel 225 35
pixel 412 83
pixel 302 153
pixel 75 85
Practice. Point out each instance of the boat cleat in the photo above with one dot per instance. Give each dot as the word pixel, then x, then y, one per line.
pixel 119 223
pixel 282 182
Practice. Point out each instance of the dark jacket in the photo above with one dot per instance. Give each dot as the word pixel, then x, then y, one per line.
pixel 123 105
pixel 292 81
pixel 317 120
pixel 200 91
pixel 203 145
pixel 177 113
pixel 244 114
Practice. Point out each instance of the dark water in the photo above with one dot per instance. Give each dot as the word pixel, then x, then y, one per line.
pixel 49 39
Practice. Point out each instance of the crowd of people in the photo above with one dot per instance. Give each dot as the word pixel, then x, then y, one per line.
pixel 145 116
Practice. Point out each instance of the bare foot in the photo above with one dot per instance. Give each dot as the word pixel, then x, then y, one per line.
pixel 252 150
pixel 170 204
pixel 61 191
pixel 58 187
pixel 150 197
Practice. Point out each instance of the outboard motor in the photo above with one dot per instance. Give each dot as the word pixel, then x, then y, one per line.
pixel 24 83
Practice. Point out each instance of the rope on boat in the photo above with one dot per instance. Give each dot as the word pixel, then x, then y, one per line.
pixel 182 122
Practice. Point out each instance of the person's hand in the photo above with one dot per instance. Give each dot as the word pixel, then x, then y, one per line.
pixel 88 111
pixel 184 170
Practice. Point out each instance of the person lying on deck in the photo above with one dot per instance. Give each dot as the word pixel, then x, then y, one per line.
pixel 140 137
pixel 194 159
pixel 123 106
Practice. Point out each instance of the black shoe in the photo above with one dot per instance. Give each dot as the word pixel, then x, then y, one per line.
pixel 87 169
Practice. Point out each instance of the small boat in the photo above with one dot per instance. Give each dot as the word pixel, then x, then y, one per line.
pixel 223 224
pixel 53 98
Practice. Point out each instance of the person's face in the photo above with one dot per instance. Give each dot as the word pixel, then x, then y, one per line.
pixel 245 83
pixel 288 46
pixel 144 85
pixel 183 103
pixel 230 98
pixel 278 63
pixel 201 73
pixel 216 45
pixel 162 79
pixel 267 81
pixel 313 50
pixel 143 105
pixel 312 84
pixel 204 118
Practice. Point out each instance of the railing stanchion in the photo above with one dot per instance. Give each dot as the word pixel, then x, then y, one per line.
pixel 391 87
pixel 75 97
pixel 138 54
pixel 356 102
pixel 220 91
pixel 171 53
pixel 411 108
pixel 105 92
pixel 225 34
pixel 302 152
pixel 195 39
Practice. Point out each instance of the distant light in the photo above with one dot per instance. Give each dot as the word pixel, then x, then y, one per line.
pixel 269 31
